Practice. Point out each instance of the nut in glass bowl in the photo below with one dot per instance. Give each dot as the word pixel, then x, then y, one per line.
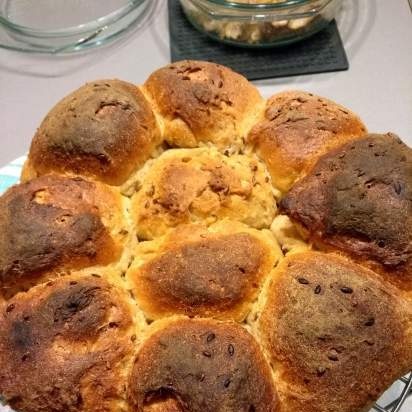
pixel 260 23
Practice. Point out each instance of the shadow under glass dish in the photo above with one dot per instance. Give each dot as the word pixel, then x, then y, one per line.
pixel 61 26
pixel 255 23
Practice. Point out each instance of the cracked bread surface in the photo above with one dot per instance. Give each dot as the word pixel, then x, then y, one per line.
pixel 202 185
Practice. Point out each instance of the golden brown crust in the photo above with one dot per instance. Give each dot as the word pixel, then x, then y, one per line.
pixel 65 346
pixel 53 224
pixel 337 336
pixel 201 366
pixel 104 130
pixel 202 185
pixel 182 243
pixel 297 129
pixel 197 272
pixel 204 102
pixel 358 199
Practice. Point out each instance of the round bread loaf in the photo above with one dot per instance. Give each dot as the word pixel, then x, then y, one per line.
pixel 104 130
pixel 202 102
pixel 335 334
pixel 297 128
pixel 201 366
pixel 185 288
pixel 53 225
pixel 358 199
pixel 199 271
pixel 67 346
pixel 202 185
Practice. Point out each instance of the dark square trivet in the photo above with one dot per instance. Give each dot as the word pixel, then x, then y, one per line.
pixel 320 53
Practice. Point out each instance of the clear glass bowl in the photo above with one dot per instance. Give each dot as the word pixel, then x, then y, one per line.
pixel 255 23
pixel 62 26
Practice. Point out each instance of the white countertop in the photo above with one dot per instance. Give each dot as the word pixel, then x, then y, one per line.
pixel 377 35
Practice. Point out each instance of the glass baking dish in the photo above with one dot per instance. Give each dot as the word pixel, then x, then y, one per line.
pixel 256 23
pixel 61 26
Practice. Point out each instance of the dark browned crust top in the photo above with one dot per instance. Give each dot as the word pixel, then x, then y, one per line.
pixel 206 96
pixel 298 127
pixel 358 198
pixel 203 366
pixel 336 334
pixel 209 276
pixel 105 130
pixel 47 224
pixel 61 344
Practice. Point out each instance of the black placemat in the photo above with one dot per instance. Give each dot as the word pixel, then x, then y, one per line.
pixel 320 53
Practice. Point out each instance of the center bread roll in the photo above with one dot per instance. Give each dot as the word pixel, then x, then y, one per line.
pixel 199 271
pixel 202 185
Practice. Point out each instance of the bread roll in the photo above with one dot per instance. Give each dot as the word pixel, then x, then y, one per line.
pixel 202 185
pixel 297 128
pixel 53 225
pixel 199 271
pixel 145 265
pixel 358 199
pixel 105 130
pixel 67 346
pixel 203 102
pixel 201 366
pixel 336 335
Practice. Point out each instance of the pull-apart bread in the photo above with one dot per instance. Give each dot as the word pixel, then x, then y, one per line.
pixel 185 246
